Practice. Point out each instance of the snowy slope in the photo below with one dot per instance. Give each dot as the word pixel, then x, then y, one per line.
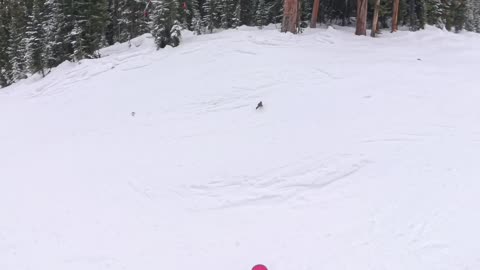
pixel 365 155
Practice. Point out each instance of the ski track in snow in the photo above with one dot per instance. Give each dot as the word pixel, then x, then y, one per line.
pixel 282 184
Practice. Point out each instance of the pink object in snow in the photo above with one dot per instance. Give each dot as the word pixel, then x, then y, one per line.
pixel 259 267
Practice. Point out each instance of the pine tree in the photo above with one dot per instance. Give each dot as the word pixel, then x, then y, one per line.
pixel 55 31
pixel 276 11
pixel 236 20
pixel 197 24
pixel 403 13
pixel 476 18
pixel 413 20
pixel 247 12
pixel 76 36
pixel 112 28
pixel 209 17
pixel 17 43
pixel 470 16
pixel 68 36
pixel 88 26
pixel 307 7
pixel 217 14
pixel 5 65
pixel 175 34
pixel 131 20
pixel 448 14
pixel 165 26
pixel 339 11
pixel 226 9
pixel 417 16
pixel 184 15
pixel 434 13
pixel 421 14
pixel 460 15
pixel 96 26
pixel 36 40
pixel 261 16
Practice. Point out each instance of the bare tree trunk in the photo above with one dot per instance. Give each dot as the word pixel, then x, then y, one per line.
pixel 290 16
pixel 362 6
pixel 375 19
pixel 316 8
pixel 396 4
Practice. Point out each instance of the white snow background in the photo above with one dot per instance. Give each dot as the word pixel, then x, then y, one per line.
pixel 365 155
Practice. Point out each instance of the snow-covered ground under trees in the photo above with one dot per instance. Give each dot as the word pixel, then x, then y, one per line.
pixel 365 156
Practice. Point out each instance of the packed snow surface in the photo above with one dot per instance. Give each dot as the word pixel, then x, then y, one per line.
pixel 365 155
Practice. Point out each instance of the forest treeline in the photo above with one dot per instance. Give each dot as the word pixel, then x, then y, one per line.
pixel 37 35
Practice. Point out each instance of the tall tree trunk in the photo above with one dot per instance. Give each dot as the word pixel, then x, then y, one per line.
pixel 396 5
pixel 290 16
pixel 316 7
pixel 362 6
pixel 375 19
